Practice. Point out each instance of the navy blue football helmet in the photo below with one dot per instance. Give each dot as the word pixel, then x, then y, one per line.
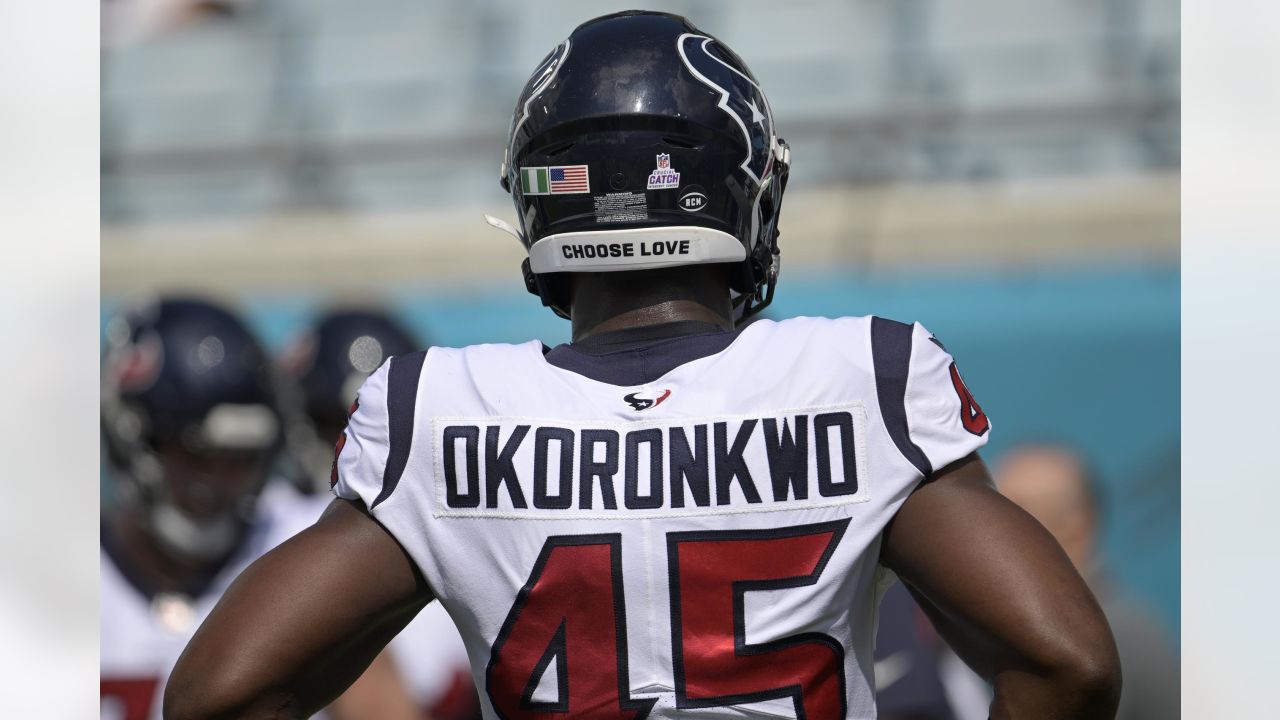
pixel 331 360
pixel 190 422
pixel 325 367
pixel 642 142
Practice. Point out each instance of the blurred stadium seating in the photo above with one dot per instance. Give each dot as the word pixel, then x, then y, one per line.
pixel 1005 171
pixel 395 105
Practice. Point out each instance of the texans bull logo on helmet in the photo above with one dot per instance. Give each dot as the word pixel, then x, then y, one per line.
pixel 538 82
pixel 740 97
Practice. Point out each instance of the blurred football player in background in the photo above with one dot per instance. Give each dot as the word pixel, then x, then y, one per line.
pixel 918 676
pixel 325 367
pixel 191 424
pixel 909 683
pixel 1054 483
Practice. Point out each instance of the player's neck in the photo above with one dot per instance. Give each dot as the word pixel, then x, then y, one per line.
pixel 606 302
pixel 667 312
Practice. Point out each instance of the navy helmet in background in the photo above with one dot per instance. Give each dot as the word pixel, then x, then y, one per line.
pixel 190 422
pixel 324 368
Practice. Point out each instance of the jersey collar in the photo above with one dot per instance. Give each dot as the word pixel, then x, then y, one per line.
pixel 636 356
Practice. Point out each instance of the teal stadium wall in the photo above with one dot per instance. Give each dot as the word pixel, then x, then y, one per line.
pixel 1082 356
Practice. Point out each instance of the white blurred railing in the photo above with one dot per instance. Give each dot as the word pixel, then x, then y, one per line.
pixel 1034 223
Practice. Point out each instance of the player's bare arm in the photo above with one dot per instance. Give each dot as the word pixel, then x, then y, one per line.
pixel 300 624
pixel 1006 597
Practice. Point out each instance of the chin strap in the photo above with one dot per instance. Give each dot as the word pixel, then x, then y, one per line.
pixel 535 284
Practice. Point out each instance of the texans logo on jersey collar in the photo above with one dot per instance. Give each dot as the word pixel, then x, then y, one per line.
pixel 638 403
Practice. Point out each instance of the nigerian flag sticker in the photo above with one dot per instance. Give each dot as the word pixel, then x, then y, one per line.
pixel 554 180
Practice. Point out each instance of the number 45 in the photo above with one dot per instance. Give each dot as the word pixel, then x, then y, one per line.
pixel 572 611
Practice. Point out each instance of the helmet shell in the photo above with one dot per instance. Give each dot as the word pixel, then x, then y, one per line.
pixel 178 364
pixel 641 142
pixel 329 362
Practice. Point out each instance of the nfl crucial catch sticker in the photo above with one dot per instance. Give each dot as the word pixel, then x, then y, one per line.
pixel 664 177
pixel 557 180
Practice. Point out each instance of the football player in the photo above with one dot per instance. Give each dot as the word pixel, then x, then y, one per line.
pixel 326 365
pixel 665 517
pixel 190 424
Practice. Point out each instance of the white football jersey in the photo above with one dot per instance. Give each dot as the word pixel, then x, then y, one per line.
pixel 143 635
pixel 688 529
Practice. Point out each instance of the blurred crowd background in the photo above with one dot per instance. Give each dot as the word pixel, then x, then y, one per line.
pixel 1004 171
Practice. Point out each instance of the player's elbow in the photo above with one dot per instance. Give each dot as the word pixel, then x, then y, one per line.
pixel 1095 682
pixel 1087 670
pixel 184 700
pixel 187 697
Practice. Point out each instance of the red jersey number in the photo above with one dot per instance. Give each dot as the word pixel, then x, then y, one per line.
pixel 572 612
pixel 714 665
pixel 569 612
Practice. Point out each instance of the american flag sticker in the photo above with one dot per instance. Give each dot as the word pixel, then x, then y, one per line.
pixel 557 180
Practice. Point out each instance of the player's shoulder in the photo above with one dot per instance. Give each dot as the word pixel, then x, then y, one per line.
pixel 394 387
pixel 843 329
pixel 478 352
pixel 802 325
pixel 400 371
pixel 874 328
pixel 837 323
pixel 888 346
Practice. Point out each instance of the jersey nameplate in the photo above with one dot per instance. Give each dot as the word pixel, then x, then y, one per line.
pixel 552 469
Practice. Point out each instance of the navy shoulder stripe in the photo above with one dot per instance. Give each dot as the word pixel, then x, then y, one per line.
pixel 402 397
pixel 891 355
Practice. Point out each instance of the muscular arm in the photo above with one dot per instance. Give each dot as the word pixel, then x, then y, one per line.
pixel 1004 595
pixel 300 624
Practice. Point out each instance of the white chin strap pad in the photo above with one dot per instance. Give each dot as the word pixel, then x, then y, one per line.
pixel 634 249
